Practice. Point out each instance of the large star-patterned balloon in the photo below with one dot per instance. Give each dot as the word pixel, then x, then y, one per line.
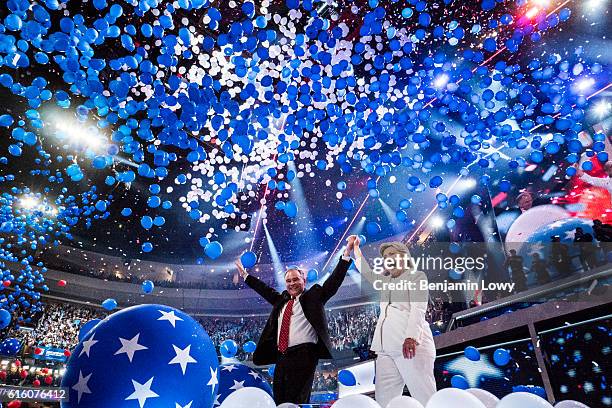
pixel 147 356
pixel 233 377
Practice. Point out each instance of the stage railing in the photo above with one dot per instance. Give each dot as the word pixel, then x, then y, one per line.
pixel 538 294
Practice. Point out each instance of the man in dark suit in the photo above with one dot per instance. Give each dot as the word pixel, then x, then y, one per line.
pixel 295 336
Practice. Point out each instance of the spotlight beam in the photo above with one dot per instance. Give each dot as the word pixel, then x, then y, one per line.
pixel 346 230
pixel 260 212
pixel 599 91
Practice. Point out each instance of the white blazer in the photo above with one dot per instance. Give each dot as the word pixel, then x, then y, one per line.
pixel 402 312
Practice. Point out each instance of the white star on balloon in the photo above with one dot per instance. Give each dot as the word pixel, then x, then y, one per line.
pixel 536 248
pixel 186 406
pixel 556 224
pixel 473 370
pixel 182 357
pixel 129 347
pixel 81 386
pixel 170 317
pixel 229 368
pixel 142 392
pixel 254 374
pixel 87 346
pixel 570 235
pixel 237 385
pixel 217 400
pixel 213 379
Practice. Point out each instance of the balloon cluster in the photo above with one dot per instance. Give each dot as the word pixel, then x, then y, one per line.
pixel 31 222
pixel 215 101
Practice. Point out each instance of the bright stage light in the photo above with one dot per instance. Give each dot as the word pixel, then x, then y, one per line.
pixel 436 222
pixel 584 84
pixel 468 183
pixel 594 5
pixel 29 203
pixel 79 134
pixel 532 12
pixel 602 108
pixel 73 132
pixel 441 81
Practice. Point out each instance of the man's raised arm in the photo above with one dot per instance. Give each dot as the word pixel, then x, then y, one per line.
pixel 361 263
pixel 334 281
pixel 269 294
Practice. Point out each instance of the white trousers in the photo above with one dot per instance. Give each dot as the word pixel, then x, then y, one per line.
pixel 395 371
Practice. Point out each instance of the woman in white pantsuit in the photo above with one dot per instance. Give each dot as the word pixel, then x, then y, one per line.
pixel 402 339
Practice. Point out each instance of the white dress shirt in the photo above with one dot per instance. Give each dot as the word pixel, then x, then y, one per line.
pixel 300 329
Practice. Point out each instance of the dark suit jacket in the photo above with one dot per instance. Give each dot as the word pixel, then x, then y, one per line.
pixel 313 303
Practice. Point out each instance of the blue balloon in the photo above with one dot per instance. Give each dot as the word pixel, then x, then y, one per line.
pixel 373 228
pixel 10 347
pixel 312 275
pixel 459 381
pixel 213 249
pixel 146 347
pixel 147 247
pixel 248 259
pixel 109 304
pixel 501 357
pixel 86 328
pixel 347 204
pixel 347 378
pixel 5 318
pixel 147 286
pixel 228 348
pixel 290 209
pixel 232 374
pixel 146 222
pixel 249 346
pixel 472 353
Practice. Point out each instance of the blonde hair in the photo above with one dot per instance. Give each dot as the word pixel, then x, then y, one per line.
pixel 399 247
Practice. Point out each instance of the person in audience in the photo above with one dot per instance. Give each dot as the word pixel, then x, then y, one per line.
pixel 602 182
pixel 587 248
pixel 515 263
pixel 603 232
pixel 560 257
pixel 539 269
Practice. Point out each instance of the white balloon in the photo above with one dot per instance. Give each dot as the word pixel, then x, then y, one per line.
pixel 570 404
pixel 288 405
pixel 529 221
pixel 355 401
pixel 489 400
pixel 248 397
pixel 523 400
pixel 454 397
pixel 404 401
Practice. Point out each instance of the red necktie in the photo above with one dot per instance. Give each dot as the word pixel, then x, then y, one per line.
pixel 283 340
